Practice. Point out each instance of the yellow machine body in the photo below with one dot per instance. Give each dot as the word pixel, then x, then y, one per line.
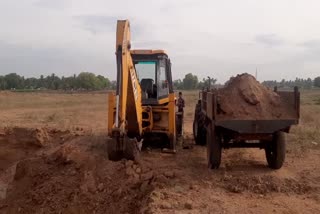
pixel 144 101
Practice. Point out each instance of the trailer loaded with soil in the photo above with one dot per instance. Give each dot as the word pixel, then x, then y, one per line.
pixel 245 114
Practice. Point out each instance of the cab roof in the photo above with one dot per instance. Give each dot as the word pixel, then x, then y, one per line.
pixel 148 52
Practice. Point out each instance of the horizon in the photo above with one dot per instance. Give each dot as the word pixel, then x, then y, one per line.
pixel 199 79
pixel 230 37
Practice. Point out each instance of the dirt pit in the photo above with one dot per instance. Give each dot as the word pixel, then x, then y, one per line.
pixel 244 97
pixel 77 177
pixel 17 143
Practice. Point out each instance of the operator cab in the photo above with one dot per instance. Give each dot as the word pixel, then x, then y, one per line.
pixel 153 69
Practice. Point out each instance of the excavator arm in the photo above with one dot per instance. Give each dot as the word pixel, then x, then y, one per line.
pixel 127 127
pixel 128 94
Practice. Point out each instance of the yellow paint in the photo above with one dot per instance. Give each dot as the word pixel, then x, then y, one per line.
pixel 130 105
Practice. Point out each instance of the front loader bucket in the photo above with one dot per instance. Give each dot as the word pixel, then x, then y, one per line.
pixel 123 148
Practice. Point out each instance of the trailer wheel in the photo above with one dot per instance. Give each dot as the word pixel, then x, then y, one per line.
pixel 199 133
pixel 276 150
pixel 214 148
pixel 195 129
pixel 195 125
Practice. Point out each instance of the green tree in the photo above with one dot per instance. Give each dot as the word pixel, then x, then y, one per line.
pixel 31 83
pixel 190 81
pixel 113 85
pixel 87 80
pixel 206 82
pixel 178 84
pixel 301 83
pixel 68 83
pixel 316 82
pixel 41 82
pixel 3 83
pixel 84 80
pixel 103 82
pixel 13 80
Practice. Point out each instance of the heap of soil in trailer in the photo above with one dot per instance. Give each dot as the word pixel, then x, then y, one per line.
pixel 243 97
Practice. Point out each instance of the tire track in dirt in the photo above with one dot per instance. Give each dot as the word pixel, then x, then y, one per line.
pixel 244 182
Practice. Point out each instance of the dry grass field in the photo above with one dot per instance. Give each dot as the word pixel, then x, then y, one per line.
pixel 56 110
pixel 72 129
pixel 307 134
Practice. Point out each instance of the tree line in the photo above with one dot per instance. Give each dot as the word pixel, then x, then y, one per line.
pixel 301 83
pixel 90 81
pixel 85 81
pixel 191 81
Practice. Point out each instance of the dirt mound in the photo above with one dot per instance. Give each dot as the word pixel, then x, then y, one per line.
pixel 77 179
pixel 18 143
pixel 37 136
pixel 26 136
pixel 244 97
pixel 266 184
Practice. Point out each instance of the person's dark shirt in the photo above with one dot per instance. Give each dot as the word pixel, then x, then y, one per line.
pixel 180 104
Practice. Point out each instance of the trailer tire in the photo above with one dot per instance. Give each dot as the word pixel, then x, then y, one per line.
pixel 195 124
pixel 276 150
pixel 199 133
pixel 214 147
pixel 195 129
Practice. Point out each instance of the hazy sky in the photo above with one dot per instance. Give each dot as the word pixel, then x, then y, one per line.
pixel 205 37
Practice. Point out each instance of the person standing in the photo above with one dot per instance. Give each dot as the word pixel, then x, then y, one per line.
pixel 180 104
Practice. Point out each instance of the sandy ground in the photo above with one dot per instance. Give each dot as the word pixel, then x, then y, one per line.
pixel 55 162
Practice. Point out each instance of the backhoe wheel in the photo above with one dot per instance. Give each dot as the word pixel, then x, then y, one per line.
pixel 276 150
pixel 214 147
pixel 123 148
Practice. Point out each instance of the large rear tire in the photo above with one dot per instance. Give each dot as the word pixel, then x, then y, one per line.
pixel 214 147
pixel 276 150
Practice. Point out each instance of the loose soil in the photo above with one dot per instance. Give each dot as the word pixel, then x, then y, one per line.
pixel 244 97
pixel 77 177
pixel 44 169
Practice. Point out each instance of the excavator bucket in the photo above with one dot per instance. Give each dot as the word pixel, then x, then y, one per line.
pixel 123 148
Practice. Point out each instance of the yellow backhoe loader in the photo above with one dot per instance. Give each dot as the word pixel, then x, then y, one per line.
pixel 143 107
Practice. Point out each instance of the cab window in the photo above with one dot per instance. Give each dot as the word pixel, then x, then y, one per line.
pixel 146 72
pixel 163 89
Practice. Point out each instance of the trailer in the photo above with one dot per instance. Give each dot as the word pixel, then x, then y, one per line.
pixel 210 128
